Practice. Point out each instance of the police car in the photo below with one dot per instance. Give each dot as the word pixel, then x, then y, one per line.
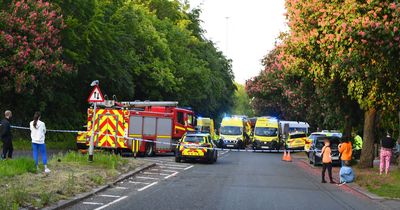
pixel 196 146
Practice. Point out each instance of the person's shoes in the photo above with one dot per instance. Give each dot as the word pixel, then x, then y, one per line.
pixel 46 170
pixel 332 182
pixel 323 181
pixel 343 183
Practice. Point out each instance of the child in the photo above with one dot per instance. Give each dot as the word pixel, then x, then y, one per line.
pixel 326 161
pixel 346 173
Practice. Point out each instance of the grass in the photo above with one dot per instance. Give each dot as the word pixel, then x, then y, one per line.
pixel 71 173
pixel 13 167
pixel 66 144
pixel 382 185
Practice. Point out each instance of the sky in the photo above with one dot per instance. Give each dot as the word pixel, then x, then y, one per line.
pixel 244 30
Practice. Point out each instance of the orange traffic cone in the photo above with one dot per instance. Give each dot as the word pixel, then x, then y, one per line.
pixel 288 157
pixel 284 157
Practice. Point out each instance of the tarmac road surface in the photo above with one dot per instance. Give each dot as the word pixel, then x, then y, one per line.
pixel 239 180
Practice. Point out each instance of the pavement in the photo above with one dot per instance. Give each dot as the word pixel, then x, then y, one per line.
pixel 239 180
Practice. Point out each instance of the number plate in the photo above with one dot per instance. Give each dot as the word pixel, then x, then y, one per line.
pixel 335 158
pixel 264 147
pixel 193 153
pixel 230 145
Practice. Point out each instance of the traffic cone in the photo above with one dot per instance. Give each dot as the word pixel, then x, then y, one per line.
pixel 284 155
pixel 288 157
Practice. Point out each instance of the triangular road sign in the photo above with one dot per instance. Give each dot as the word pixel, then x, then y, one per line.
pixel 96 95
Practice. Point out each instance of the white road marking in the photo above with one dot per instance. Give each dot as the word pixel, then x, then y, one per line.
pixel 92 203
pixel 121 188
pixel 143 177
pixel 109 204
pixel 168 171
pixel 132 182
pixel 171 175
pixel 145 187
pixel 110 196
pixel 188 167
pixel 171 167
pixel 161 174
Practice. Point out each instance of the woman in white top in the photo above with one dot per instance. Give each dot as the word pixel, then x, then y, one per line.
pixel 38 131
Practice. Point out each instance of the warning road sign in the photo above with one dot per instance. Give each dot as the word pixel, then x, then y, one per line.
pixel 96 95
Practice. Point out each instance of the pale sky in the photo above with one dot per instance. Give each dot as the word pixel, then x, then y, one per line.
pixel 244 30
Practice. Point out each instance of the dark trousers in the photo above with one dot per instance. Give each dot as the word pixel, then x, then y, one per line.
pixel 7 149
pixel 329 167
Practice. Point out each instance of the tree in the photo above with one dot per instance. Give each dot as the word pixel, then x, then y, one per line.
pixel 30 54
pixel 359 41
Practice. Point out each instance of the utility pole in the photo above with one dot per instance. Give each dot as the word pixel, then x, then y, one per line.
pixel 227 36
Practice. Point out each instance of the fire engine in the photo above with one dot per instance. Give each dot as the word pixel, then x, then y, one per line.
pixel 152 127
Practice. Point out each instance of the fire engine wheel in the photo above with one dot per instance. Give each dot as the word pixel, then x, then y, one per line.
pixel 149 150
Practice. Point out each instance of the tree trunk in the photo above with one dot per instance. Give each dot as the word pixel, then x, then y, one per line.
pixel 367 152
pixel 398 138
pixel 347 126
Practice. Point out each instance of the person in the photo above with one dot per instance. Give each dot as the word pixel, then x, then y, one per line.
pixel 346 173
pixel 345 150
pixel 358 143
pixel 326 161
pixel 38 131
pixel 6 136
pixel 387 145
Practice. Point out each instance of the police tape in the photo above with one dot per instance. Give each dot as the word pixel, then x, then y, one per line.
pixel 48 130
pixel 194 146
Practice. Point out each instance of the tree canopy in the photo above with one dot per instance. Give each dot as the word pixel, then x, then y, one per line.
pixel 137 49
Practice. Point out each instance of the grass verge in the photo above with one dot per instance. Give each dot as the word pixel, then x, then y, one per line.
pixel 71 174
pixel 24 144
pixel 382 185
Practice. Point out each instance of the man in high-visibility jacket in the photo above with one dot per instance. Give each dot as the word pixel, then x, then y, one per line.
pixel 358 143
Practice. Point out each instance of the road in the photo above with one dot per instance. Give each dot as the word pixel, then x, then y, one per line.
pixel 239 180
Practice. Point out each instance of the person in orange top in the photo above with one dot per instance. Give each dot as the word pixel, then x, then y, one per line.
pixel 345 150
pixel 327 161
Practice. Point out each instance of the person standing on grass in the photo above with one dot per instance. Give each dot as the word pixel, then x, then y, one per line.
pixel 6 136
pixel 38 132
pixel 326 161
pixel 358 143
pixel 345 150
pixel 386 153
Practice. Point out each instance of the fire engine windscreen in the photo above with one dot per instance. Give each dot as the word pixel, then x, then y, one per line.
pixel 266 131
pixel 194 139
pixel 231 130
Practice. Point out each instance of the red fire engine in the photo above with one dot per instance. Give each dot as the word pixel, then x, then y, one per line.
pixel 161 123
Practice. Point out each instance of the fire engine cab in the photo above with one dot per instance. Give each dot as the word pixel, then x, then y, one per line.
pixel 151 126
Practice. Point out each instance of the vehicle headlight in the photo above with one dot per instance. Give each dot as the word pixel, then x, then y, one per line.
pixel 222 137
pixel 239 139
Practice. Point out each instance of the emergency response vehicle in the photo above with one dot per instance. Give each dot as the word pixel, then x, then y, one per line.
pixel 266 133
pixel 142 127
pixel 296 140
pixel 206 125
pixel 233 132
pixel 196 146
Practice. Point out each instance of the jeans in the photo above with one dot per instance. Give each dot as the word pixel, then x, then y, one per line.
pixel 39 148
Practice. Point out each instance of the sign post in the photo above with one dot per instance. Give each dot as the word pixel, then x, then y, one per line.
pixel 95 97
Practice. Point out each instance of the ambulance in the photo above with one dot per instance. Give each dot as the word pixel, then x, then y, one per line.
pixel 233 132
pixel 266 133
pixel 206 125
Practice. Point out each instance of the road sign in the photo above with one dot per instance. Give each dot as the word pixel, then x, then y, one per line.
pixel 96 95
